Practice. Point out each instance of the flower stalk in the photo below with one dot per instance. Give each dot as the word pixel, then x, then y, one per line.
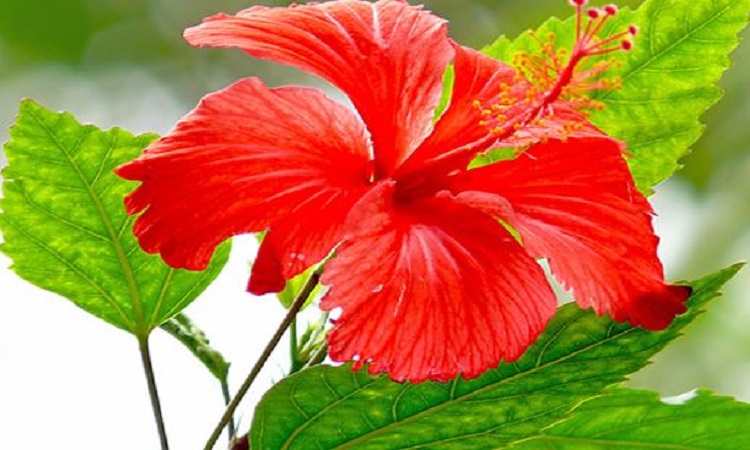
pixel 291 315
pixel 231 431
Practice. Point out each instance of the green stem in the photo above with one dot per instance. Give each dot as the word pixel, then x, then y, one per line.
pixel 152 392
pixel 227 398
pixel 296 306
pixel 317 357
pixel 320 354
pixel 293 348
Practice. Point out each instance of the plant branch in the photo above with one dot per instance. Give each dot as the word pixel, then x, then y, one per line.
pixel 148 368
pixel 295 307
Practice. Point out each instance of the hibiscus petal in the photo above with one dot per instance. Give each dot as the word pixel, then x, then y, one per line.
pixel 246 158
pixel 388 57
pixel 575 203
pixel 458 135
pixel 295 243
pixel 431 290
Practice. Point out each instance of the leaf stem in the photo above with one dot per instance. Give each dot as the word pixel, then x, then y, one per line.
pixel 293 348
pixel 295 307
pixel 228 398
pixel 317 357
pixel 148 368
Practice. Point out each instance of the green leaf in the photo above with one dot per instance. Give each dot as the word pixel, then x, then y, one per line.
pixel 628 418
pixel 492 156
pixel 184 330
pixel 65 226
pixel 502 48
pixel 669 78
pixel 577 357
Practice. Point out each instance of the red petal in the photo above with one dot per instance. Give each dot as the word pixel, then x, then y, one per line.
pixel 388 56
pixel 431 290
pixel 245 158
pixel 575 204
pixel 458 135
pixel 299 241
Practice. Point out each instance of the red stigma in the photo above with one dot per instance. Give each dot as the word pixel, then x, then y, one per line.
pixel 588 41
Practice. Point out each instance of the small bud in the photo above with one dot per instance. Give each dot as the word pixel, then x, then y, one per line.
pixel 593 13
pixel 611 10
pixel 578 2
pixel 626 45
pixel 633 30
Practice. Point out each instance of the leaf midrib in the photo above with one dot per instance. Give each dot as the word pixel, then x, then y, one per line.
pixel 451 402
pixel 140 329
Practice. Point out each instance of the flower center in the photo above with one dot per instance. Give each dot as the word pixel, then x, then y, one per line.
pixel 548 98
pixel 550 92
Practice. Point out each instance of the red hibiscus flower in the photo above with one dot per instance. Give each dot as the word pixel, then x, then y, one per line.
pixel 435 270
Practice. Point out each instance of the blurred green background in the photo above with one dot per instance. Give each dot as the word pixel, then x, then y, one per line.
pixel 124 63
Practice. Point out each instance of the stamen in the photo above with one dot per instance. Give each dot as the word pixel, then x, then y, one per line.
pixel 552 81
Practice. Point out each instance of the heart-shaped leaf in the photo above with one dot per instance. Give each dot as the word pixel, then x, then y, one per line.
pixel 65 227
